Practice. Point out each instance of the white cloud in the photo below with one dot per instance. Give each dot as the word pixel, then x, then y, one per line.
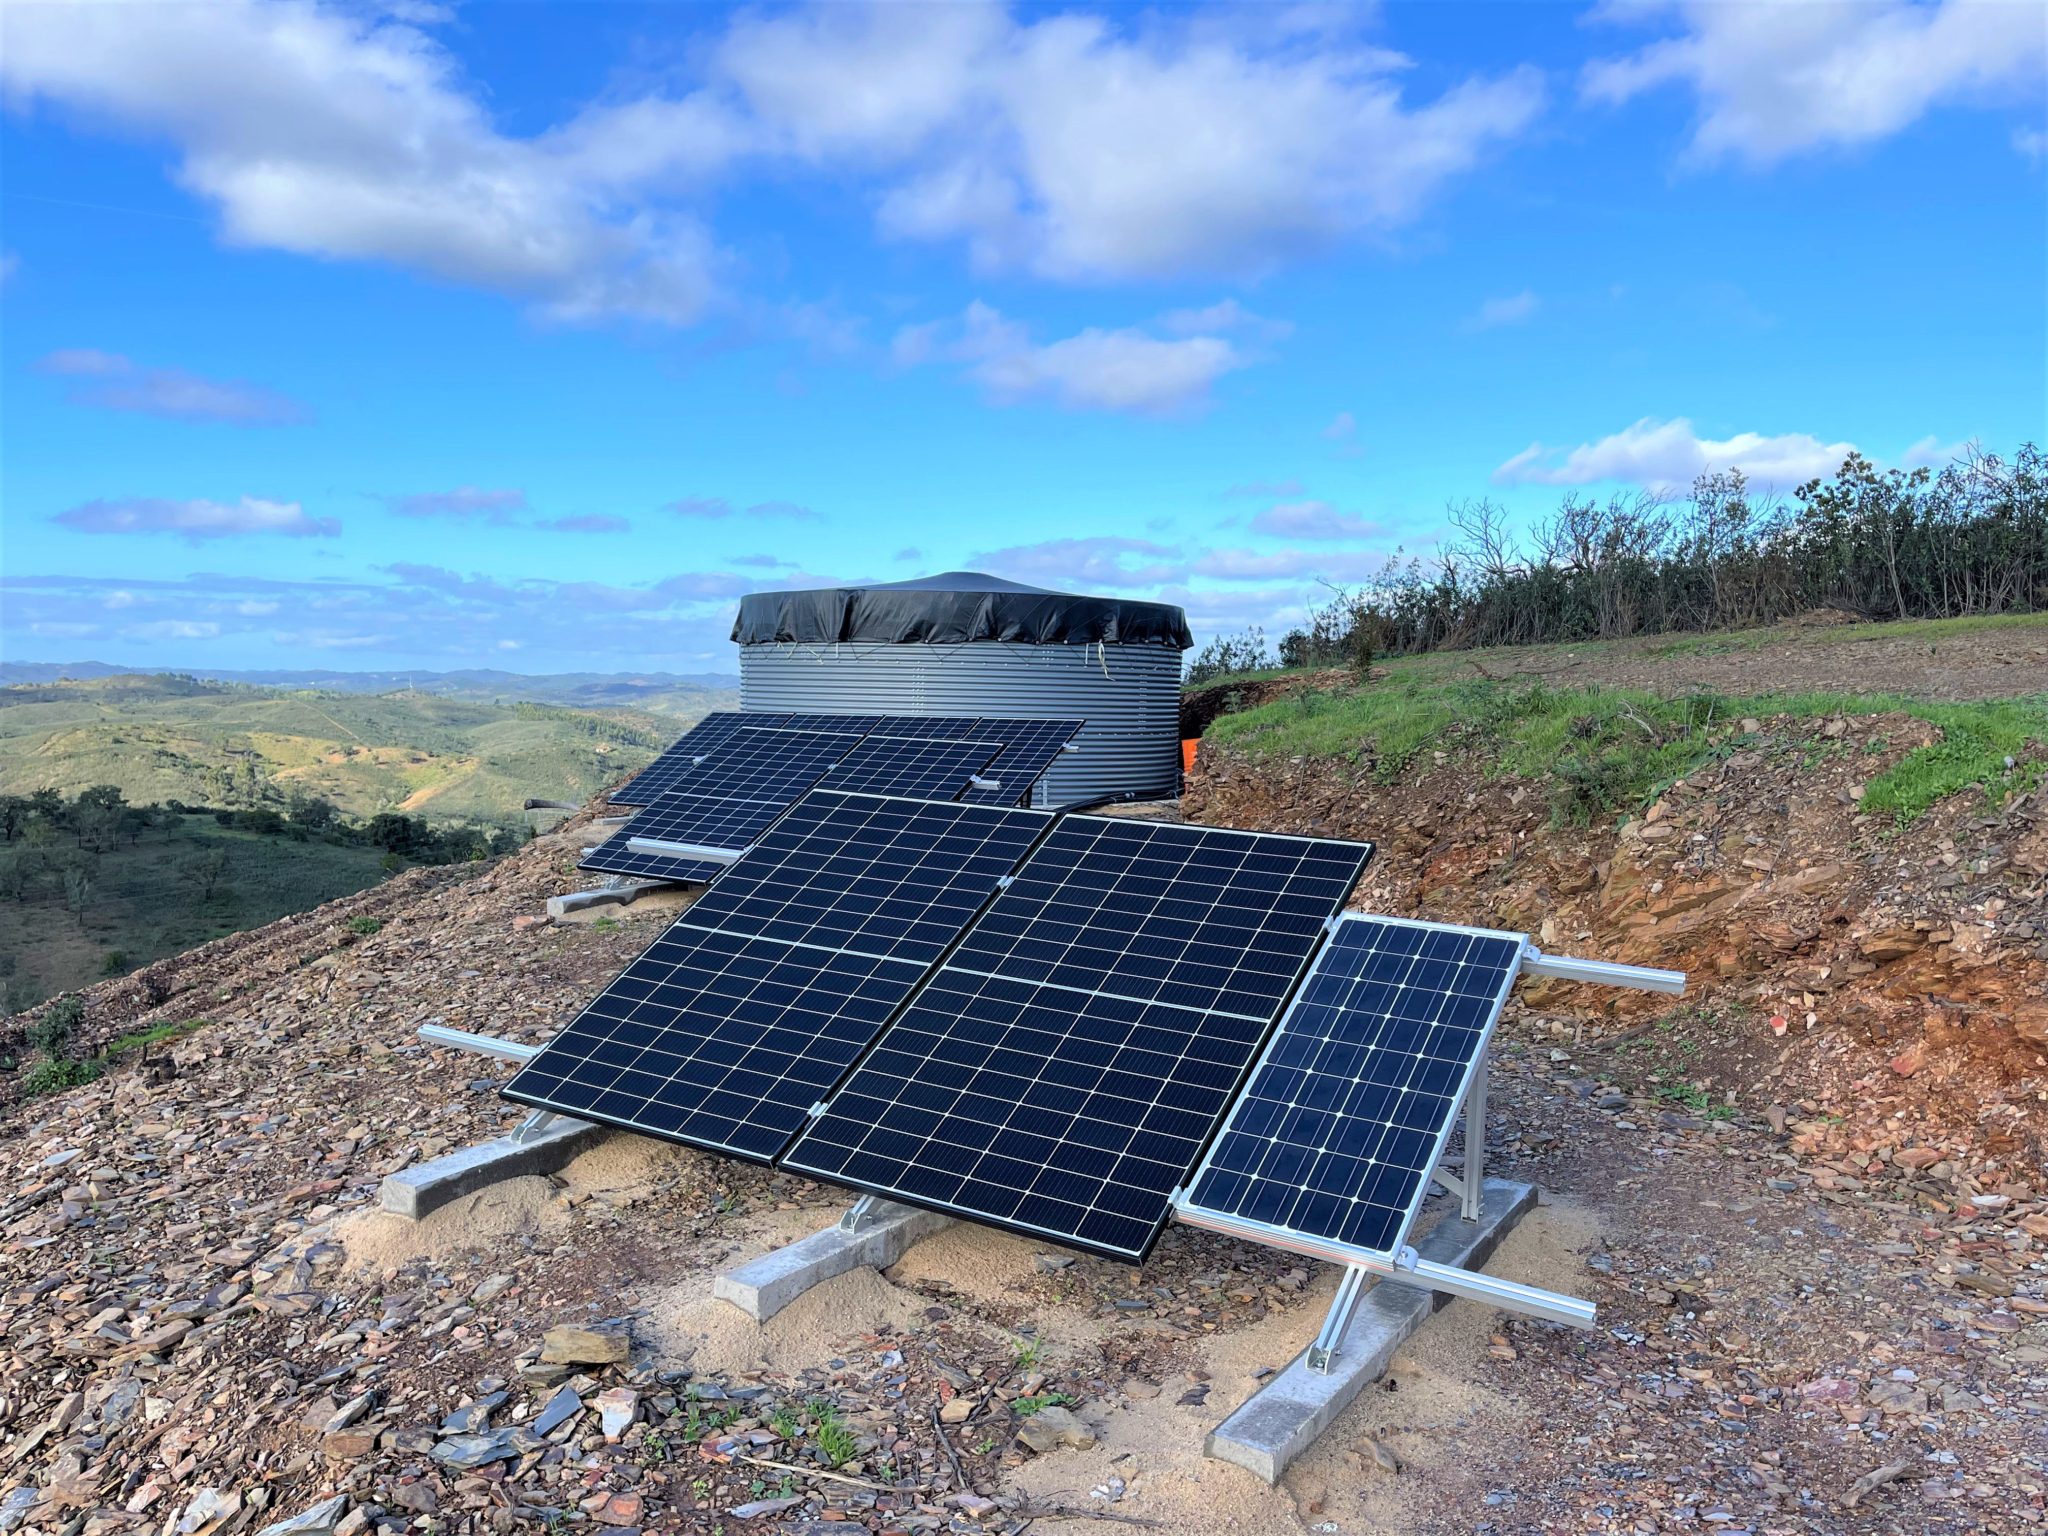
pixel 117 384
pixel 1515 309
pixel 1068 145
pixel 462 504
pixel 1225 315
pixel 172 629
pixel 1096 369
pixel 717 508
pixel 590 522
pixel 1265 565
pixel 1669 455
pixel 1343 428
pixel 1313 520
pixel 1932 453
pixel 2031 142
pixel 199 519
pixel 339 133
pixel 1776 80
pixel 1101 561
pixel 1075 149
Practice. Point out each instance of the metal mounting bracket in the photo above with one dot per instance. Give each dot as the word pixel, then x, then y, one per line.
pixel 1342 1305
pixel 860 1214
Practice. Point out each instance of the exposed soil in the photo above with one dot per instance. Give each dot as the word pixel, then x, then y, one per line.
pixel 1821 1254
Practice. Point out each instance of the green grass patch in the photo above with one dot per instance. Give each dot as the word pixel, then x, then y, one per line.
pixel 363 926
pixel 1609 750
pixel 143 1039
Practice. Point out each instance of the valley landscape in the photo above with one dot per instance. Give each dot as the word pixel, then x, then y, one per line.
pixel 298 775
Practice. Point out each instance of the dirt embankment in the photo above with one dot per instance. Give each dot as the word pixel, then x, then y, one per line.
pixel 1895 978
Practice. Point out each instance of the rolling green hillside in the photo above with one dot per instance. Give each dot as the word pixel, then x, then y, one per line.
pixel 162 738
pixel 176 883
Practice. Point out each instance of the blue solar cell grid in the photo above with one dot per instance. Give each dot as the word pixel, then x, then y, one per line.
pixel 1345 1116
pixel 764 992
pixel 667 771
pixel 1030 747
pixel 927 768
pixel 1060 1074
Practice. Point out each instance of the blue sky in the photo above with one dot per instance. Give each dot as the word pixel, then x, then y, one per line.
pixel 412 335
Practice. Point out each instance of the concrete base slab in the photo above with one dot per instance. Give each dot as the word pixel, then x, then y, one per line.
pixel 765 1286
pixel 604 896
pixel 1296 1406
pixel 426 1187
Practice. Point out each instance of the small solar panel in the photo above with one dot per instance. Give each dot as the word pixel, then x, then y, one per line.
pixel 1030 747
pixel 676 764
pixel 668 770
pixel 1061 1072
pixel 1335 1137
pixel 727 801
pixel 742 1015
pixel 927 768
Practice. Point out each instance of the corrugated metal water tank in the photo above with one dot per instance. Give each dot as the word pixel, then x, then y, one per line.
pixel 968 644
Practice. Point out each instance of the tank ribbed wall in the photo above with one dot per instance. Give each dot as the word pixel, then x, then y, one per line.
pixel 1128 694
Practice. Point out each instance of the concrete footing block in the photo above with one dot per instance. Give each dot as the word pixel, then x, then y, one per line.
pixel 604 896
pixel 766 1285
pixel 426 1187
pixel 1284 1418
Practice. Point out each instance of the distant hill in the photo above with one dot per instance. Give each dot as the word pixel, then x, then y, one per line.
pixel 662 693
pixel 218 743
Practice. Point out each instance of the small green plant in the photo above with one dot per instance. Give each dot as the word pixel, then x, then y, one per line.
pixel 657 1446
pixel 784 1423
pixel 1029 1352
pixel 363 926
pixel 607 925
pixel 115 963
pixel 837 1441
pixel 1027 1406
pixel 53 1074
pixel 984 1445
pixel 53 1031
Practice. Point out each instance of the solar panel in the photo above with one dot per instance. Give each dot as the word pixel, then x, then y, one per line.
pixel 1202 917
pixel 675 765
pixel 864 872
pixel 667 770
pixel 1029 748
pixel 891 765
pixel 728 800
pixel 1345 1117
pixel 1060 1074
pixel 746 1011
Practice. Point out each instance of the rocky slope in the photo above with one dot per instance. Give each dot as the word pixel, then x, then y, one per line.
pixel 1819 1254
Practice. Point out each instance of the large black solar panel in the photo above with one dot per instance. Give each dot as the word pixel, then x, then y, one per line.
pixel 928 768
pixel 1332 1144
pixel 1060 1074
pixel 727 801
pixel 1060 1114
pixel 679 762
pixel 668 770
pixel 763 993
pixel 1203 917
pixel 1030 747
pixel 717 1039
pixel 863 872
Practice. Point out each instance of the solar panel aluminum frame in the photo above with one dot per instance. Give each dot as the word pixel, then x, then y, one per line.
pixel 1328 1249
pixel 1026 1229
